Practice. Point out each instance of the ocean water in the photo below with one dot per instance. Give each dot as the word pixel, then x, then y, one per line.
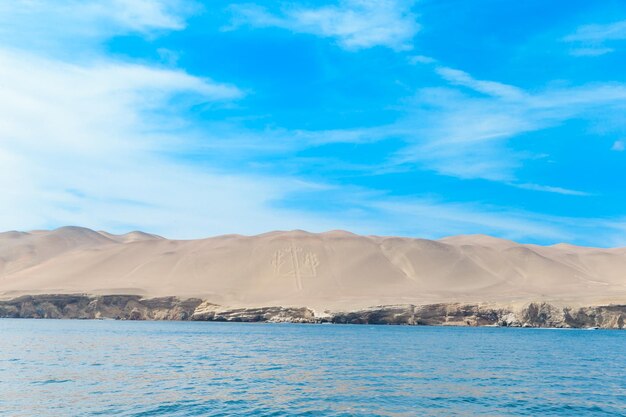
pixel 122 368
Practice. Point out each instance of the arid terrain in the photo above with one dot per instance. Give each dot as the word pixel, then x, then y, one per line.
pixel 335 271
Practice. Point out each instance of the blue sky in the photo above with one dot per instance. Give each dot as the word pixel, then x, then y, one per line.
pixel 423 119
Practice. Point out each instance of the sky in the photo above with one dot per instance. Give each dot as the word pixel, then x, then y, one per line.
pixel 415 118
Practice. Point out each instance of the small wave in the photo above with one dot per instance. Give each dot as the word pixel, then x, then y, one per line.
pixel 52 381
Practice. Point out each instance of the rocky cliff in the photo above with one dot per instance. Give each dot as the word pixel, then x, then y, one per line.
pixel 132 307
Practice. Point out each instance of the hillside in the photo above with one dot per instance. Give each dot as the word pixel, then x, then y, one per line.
pixel 335 269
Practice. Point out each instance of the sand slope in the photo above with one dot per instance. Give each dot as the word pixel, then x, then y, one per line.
pixel 328 270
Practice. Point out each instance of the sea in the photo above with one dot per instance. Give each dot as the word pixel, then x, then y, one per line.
pixel 128 368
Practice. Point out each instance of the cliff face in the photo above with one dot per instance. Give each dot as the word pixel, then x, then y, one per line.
pixel 124 307
pixel 531 315
pixel 131 307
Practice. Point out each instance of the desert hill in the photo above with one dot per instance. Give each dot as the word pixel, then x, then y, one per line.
pixel 335 269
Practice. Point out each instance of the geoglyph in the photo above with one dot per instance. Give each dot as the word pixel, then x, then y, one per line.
pixel 295 262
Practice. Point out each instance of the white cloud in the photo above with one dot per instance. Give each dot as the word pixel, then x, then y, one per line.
pixel 434 219
pixel 83 144
pixel 92 141
pixel 421 59
pixel 491 88
pixel 591 39
pixel 549 189
pixel 74 28
pixel 618 146
pixel 437 219
pixel 67 100
pixel 591 51
pixel 599 33
pixel 465 135
pixel 354 24
pixel 136 15
pixel 139 15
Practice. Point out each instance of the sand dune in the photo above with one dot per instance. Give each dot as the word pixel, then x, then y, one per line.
pixel 335 269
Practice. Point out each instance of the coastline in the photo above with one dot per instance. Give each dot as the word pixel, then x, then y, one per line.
pixel 135 307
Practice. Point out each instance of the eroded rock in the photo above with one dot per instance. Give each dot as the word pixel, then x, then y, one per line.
pixel 133 307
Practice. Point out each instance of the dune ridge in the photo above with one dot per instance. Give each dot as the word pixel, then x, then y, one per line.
pixel 335 269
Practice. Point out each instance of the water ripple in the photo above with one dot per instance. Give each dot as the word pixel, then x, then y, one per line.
pixel 96 368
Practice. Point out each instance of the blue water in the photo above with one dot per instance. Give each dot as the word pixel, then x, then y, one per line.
pixel 95 368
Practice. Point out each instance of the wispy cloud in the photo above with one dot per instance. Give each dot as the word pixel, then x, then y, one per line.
pixel 549 189
pixel 72 27
pixel 106 142
pixel 138 15
pixel 464 134
pixel 463 129
pixel 491 88
pixel 618 146
pixel 591 51
pixel 85 139
pixel 82 144
pixel 599 33
pixel 436 219
pixel 421 59
pixel 590 40
pixel 94 158
pixel 354 24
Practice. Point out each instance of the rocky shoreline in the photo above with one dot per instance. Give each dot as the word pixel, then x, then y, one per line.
pixel 133 307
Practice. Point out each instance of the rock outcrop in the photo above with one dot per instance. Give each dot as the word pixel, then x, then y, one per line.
pixel 133 307
pixel 531 315
pixel 213 312
pixel 124 307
